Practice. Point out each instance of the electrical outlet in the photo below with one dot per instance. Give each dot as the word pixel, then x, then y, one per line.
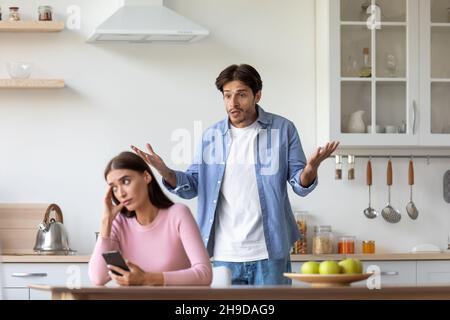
pixel 447 186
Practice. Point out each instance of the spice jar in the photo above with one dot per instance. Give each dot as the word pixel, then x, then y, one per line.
pixel 351 167
pixel 346 245
pixel 322 240
pixel 300 246
pixel 338 169
pixel 368 246
pixel 14 14
pixel 45 13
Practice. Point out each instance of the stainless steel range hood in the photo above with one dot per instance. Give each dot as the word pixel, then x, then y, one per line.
pixel 147 21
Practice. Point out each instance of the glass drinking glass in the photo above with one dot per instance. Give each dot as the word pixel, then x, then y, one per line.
pixel 391 64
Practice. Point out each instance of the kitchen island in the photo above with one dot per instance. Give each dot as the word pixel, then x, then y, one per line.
pixel 247 293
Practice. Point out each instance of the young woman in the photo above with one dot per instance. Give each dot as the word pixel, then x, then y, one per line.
pixel 159 240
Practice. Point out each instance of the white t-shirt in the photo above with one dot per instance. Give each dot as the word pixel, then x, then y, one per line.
pixel 239 233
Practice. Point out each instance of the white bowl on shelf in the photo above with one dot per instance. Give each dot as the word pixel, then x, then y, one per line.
pixel 19 70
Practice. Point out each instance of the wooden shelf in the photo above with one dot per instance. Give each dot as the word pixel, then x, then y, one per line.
pixel 31 83
pixel 31 26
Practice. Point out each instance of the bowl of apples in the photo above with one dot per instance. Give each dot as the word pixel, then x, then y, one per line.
pixel 330 273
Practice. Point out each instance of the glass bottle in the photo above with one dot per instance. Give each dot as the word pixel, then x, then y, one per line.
pixel 14 14
pixel 366 69
pixel 338 169
pixel 301 245
pixel 45 13
pixel 322 240
pixel 346 245
pixel 0 13
pixel 351 167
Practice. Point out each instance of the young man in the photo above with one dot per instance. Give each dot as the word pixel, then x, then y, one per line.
pixel 239 175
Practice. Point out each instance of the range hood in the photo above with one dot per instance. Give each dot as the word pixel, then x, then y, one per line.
pixel 147 21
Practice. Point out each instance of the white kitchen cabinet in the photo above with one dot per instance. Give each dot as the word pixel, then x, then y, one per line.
pixel 429 272
pixel 17 276
pixel 16 294
pixel 406 98
pixel 395 272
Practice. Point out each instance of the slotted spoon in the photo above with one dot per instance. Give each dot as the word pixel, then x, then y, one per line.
pixel 411 209
pixel 390 214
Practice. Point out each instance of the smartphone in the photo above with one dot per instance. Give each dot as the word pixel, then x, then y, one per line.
pixel 114 258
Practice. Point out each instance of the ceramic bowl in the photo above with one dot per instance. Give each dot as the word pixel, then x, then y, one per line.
pixel 19 70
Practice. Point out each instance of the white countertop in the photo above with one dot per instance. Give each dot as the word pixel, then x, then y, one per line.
pixel 35 258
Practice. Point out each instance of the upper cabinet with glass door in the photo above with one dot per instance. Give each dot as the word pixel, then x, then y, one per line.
pixel 435 72
pixel 373 79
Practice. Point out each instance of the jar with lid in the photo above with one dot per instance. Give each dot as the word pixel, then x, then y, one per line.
pixel 322 240
pixel 45 13
pixel 368 246
pixel 338 169
pixel 14 14
pixel 301 245
pixel 351 167
pixel 346 245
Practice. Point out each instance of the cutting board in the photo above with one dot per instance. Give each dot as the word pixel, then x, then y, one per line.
pixel 18 226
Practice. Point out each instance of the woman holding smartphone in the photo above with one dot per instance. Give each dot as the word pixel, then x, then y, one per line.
pixel 159 240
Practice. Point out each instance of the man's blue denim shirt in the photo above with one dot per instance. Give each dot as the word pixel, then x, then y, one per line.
pixel 279 159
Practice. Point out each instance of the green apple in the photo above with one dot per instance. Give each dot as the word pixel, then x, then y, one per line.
pixel 351 266
pixel 329 267
pixel 360 266
pixel 310 267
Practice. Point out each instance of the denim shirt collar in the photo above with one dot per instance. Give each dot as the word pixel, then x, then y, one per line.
pixel 263 118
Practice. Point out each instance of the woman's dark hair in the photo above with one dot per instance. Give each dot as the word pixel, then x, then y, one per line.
pixel 131 161
pixel 244 73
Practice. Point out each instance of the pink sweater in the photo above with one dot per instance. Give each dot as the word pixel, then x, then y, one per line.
pixel 171 244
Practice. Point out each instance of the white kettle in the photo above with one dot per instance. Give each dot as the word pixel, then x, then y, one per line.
pixel 356 123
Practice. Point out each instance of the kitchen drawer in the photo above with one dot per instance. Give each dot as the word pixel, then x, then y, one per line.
pixel 437 272
pixel 395 272
pixel 15 294
pixel 19 275
pixel 40 295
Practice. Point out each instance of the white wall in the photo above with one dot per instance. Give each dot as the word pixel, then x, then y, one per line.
pixel 56 143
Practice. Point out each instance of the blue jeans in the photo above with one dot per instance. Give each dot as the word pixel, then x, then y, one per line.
pixel 261 272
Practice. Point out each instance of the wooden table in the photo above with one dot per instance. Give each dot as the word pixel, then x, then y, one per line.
pixel 247 293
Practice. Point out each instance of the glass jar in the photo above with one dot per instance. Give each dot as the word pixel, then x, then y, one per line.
pixel 45 13
pixel 368 246
pixel 322 240
pixel 301 245
pixel 351 167
pixel 346 245
pixel 14 14
pixel 338 169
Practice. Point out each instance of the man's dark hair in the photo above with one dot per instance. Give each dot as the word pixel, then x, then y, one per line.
pixel 244 73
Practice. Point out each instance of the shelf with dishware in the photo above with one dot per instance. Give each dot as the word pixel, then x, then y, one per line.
pixel 390 72
pixel 31 26
pixel 31 83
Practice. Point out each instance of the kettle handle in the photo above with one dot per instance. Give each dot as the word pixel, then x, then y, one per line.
pixel 57 209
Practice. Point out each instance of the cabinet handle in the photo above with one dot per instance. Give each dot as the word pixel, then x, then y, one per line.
pixel 414 116
pixel 26 275
pixel 389 273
